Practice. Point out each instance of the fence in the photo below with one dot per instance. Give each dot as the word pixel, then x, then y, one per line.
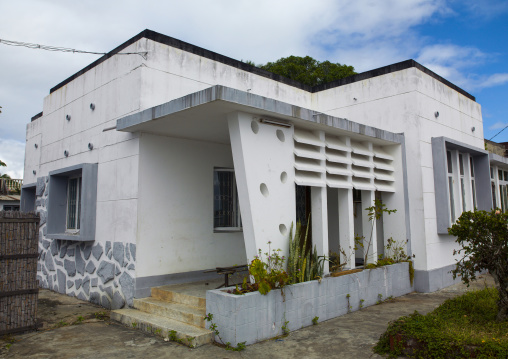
pixel 18 271
pixel 10 186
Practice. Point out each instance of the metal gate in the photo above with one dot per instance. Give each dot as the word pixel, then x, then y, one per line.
pixel 19 291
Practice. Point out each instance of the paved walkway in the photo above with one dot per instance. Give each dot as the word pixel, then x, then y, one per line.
pixel 349 336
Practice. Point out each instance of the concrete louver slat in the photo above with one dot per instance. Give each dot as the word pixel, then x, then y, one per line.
pixel 309 179
pixel 365 186
pixel 336 144
pixel 384 188
pixel 306 153
pixel 362 163
pixel 383 177
pixel 335 183
pixel 336 170
pixel 383 166
pixel 306 164
pixel 380 153
pixel 307 137
pixel 361 149
pixel 337 158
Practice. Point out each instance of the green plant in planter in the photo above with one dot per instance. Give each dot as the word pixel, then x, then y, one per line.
pixel 269 274
pixel 303 265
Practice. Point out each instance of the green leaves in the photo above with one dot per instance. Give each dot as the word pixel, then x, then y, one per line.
pixel 308 70
pixel 483 237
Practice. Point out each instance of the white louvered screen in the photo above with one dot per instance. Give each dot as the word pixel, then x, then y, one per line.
pixel 340 162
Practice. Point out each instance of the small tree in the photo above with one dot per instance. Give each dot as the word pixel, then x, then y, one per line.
pixel 308 70
pixel 483 237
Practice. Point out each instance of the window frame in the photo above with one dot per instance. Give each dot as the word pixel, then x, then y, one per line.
pixel 77 205
pixel 57 205
pixel 443 205
pixel 236 203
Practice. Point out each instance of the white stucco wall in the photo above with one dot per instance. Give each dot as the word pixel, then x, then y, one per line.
pixel 170 73
pixel 175 213
pixel 405 101
pixel 114 88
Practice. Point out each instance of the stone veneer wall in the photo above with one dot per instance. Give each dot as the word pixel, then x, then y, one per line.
pixel 102 273
pixel 253 317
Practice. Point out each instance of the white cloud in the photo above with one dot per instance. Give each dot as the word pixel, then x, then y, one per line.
pixel 494 80
pixel 364 33
pixel 455 63
pixel 13 154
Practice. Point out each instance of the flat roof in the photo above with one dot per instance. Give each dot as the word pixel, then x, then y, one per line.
pixel 185 46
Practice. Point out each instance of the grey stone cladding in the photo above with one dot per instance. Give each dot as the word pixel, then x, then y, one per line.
pixel 100 272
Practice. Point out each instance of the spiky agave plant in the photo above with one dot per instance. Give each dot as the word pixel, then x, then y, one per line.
pixel 303 265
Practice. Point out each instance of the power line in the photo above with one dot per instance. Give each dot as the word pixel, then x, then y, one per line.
pixel 498 132
pixel 64 49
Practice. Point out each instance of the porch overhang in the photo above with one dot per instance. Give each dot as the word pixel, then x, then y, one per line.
pixel 203 116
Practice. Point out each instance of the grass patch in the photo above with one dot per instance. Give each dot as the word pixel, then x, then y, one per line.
pixel 462 327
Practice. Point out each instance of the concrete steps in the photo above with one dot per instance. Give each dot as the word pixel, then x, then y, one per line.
pixel 177 311
pixel 168 314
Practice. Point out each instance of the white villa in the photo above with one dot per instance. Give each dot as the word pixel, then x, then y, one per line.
pixel 152 168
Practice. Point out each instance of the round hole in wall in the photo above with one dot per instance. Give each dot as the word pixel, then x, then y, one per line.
pixel 283 229
pixel 280 136
pixel 283 177
pixel 254 126
pixel 264 190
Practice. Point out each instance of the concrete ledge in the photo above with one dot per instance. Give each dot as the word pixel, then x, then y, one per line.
pixel 430 281
pixel 144 284
pixel 254 317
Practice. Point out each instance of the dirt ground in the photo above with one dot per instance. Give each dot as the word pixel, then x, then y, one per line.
pixel 72 328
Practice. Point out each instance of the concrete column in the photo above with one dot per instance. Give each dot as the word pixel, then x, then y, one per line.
pixel 369 228
pixel 347 225
pixel 319 218
pixel 263 161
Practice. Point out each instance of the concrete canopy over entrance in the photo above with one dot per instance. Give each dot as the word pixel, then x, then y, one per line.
pixel 203 116
pixel 264 162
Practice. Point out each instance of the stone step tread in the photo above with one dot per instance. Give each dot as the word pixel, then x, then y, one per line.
pixel 152 323
pixel 184 308
pixel 164 294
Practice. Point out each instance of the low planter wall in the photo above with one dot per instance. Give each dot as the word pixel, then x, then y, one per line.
pixel 254 317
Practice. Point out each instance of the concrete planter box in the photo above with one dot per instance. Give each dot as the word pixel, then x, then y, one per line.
pixel 254 317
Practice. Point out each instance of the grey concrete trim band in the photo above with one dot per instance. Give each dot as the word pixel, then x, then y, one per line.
pixel 143 284
pixel 482 178
pixel 27 199
pixel 237 97
pixel 406 196
pixel 435 279
pixel 57 202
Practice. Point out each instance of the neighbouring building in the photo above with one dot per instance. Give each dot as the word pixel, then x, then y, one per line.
pixel 10 190
pixel 151 168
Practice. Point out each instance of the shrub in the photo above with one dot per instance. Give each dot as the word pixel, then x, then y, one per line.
pixel 483 237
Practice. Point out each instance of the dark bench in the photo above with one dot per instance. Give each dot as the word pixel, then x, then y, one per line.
pixel 227 271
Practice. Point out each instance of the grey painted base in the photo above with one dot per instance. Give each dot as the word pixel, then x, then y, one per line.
pixel 254 317
pixel 144 284
pixel 435 279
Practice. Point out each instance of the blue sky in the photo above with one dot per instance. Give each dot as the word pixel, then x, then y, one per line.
pixel 463 41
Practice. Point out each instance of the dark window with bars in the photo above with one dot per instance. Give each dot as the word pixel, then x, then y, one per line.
pixel 73 203
pixel 226 211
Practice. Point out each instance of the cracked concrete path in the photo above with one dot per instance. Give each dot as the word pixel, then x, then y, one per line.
pixel 349 336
